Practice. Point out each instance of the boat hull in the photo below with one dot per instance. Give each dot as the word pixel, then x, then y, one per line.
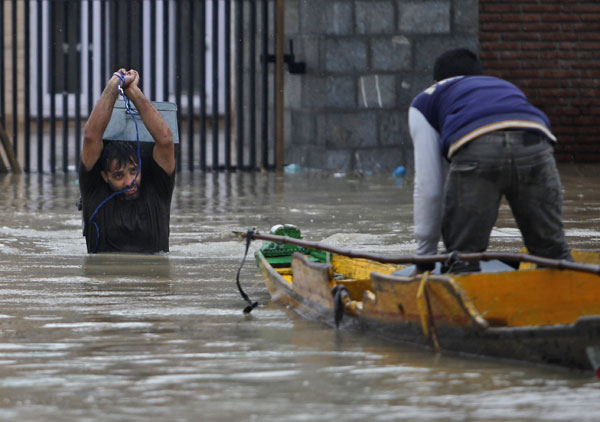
pixel 574 346
pixel 310 304
pixel 445 314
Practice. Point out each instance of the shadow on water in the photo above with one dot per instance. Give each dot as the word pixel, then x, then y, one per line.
pixel 153 338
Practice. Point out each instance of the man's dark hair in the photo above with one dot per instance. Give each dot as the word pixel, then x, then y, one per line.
pixel 122 151
pixel 457 62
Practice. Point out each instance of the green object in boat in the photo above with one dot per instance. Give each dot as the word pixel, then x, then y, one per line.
pixel 280 253
pixel 272 249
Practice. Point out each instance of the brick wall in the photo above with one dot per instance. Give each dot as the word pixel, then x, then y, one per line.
pixel 551 50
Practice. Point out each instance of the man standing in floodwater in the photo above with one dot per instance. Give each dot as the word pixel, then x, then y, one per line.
pixel 497 144
pixel 123 211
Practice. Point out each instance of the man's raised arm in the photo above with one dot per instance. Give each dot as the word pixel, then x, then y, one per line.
pixel 164 149
pixel 98 121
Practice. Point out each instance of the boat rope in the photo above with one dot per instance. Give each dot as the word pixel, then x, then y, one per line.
pixel 139 157
pixel 339 294
pixel 424 306
pixel 251 305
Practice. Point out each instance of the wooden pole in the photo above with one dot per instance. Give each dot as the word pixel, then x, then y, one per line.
pixel 423 259
pixel 8 149
pixel 279 84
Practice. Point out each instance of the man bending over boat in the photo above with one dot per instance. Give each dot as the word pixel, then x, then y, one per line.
pixel 123 212
pixel 497 144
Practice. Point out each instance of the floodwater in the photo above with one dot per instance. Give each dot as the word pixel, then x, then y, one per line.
pixel 157 338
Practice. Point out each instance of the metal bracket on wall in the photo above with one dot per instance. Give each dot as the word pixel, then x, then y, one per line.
pixel 292 65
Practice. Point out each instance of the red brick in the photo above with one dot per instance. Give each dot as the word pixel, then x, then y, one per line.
pixel 541 27
pixel 581 27
pixel 590 17
pixel 520 36
pixel 490 18
pixel 498 8
pixel 489 36
pixel 518 55
pixel 587 55
pixel 499 46
pixel 499 27
pixel 524 74
pixel 591 7
pixel 595 74
pixel 595 64
pixel 538 83
pixel 564 120
pixel 589 131
pixel 520 17
pixel 581 148
pixel 559 36
pixel 585 102
pixel 546 64
pixel 558 92
pixel 561 17
pixel 559 54
pixel 541 8
pixel 538 46
pixel 493 72
pixel 588 84
pixel 588 120
pixel 586 45
pixel 589 36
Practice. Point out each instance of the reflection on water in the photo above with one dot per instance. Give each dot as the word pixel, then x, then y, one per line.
pixel 138 338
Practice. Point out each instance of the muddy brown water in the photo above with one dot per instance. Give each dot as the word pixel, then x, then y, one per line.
pixel 157 338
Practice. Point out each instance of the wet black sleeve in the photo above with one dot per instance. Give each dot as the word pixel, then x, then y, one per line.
pixel 89 180
pixel 163 183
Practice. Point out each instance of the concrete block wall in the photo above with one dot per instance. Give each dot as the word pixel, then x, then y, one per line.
pixel 551 50
pixel 365 62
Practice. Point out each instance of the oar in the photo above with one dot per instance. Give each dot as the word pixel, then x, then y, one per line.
pixel 423 259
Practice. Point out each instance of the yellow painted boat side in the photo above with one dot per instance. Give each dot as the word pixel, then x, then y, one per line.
pixel 356 288
pixel 513 299
pixel 285 273
pixel 358 268
pixel 533 297
pixel 395 300
pixel 585 257
pixel 357 273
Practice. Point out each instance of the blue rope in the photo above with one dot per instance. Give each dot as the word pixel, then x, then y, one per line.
pixel 137 137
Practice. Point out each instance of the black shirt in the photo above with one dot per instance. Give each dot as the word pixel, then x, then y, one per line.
pixel 138 225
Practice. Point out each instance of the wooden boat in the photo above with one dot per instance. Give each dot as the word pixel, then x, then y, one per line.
pixel 541 315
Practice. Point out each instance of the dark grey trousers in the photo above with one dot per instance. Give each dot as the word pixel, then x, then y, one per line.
pixel 519 165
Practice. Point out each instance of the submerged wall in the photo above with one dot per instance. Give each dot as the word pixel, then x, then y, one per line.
pixel 365 61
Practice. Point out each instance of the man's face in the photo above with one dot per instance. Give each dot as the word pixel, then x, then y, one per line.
pixel 119 178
